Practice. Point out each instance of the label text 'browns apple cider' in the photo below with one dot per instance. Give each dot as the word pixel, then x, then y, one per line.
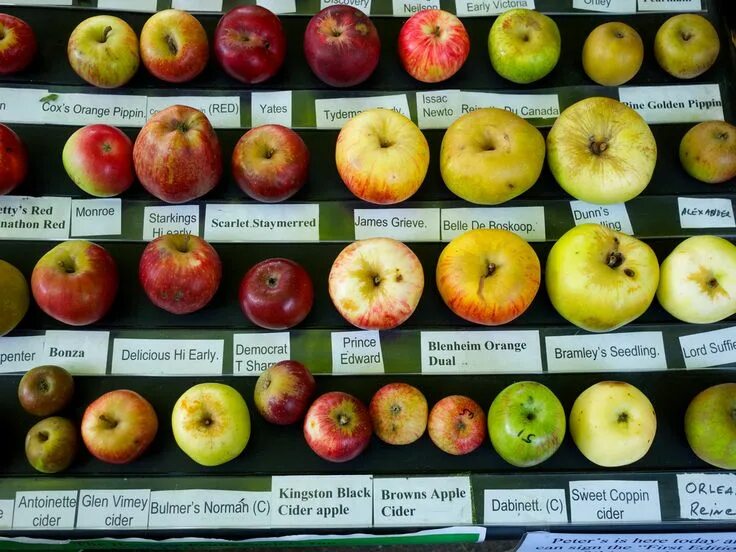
pixel 97 217
pixel 707 496
pixel 705 212
pixel 670 5
pixel 469 8
pixel 407 8
pixel 679 103
pixel 524 506
pixel 167 357
pixel 613 216
pixel 261 223
pixel 45 510
pixel 209 508
pixel 399 224
pixel 89 109
pixel 254 353
pixel 620 351
pixel 527 222
pixel 270 108
pixel 614 501
pixel 322 501
pixel 333 113
pixel 22 105
pixel 610 6
pixel 362 5
pixel 414 501
pixel 706 349
pixel 170 219
pixel 357 352
pixel 80 352
pixel 222 111
pixel 543 108
pixel 34 218
pixel 113 509
pixel 20 354
pixel 438 108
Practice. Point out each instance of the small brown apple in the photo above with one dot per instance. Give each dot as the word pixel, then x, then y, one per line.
pixel 45 390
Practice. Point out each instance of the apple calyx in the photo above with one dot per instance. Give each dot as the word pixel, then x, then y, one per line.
pixel 623 418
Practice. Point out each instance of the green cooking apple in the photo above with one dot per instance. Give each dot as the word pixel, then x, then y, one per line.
pixel 710 425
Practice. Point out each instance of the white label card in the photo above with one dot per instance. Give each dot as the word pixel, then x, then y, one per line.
pixel 705 212
pixel 335 112
pixel 362 5
pixel 469 8
pixel 708 496
pixel 197 5
pixel 23 105
pixel 599 352
pixel 39 2
pixel 253 353
pixel 438 108
pixel 322 501
pixel 113 509
pixel 128 5
pixel 278 6
pixel 679 103
pixel 89 109
pixel 209 508
pixel 403 8
pixel 167 357
pixel 630 542
pixel 706 349
pixel 170 219
pixel 527 222
pixel 6 514
pixel 271 108
pixel 612 216
pixel 524 506
pixel 34 218
pixel 97 217
pixel 20 354
pixel 357 352
pixel 527 106
pixel 614 501
pixel 481 352
pixel 80 352
pixel 222 111
pixel 45 510
pixel 240 222
pixel 609 6
pixel 670 5
pixel 413 501
pixel 400 224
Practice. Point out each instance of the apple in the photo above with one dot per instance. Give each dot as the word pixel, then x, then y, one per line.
pixel 697 283
pixel 612 53
pixel 276 294
pixel 99 159
pixel 600 279
pixel 17 45
pixel 15 297
pixel 177 155
pixel 174 46
pixel 75 283
pixel 398 413
pixel 524 45
pixel 433 45
pixel 382 156
pixel 686 45
pixel 52 444
pixel 250 44
pixel 341 45
pixel 491 155
pixel 337 427
pixel 103 50
pixel 283 391
pixel 710 425
pixel 13 160
pixel 526 423
pixel 488 276
pixel 119 426
pixel 613 423
pixel 376 284
pixel 457 425
pixel 45 390
pixel 708 152
pixel 270 163
pixel 601 151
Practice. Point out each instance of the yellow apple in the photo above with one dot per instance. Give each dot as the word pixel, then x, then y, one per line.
pixel 15 297
pixel 686 45
pixel 612 53
pixel 490 155
pixel 708 152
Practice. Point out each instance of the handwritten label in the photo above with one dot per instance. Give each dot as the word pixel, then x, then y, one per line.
pixel 438 108
pixel 167 357
pixel 128 5
pixel 527 222
pixel 620 351
pixel 88 109
pixel 614 216
pixel 481 352
pixel 705 349
pixel 686 103
pixel 410 7
pixel 362 5
pixel 259 223
pixel 271 108
pixel 209 508
pixel 670 5
pixel 400 224
pixel 6 514
pixel 278 6
pixel 609 6
pixel 45 510
pixel 357 353
pixel 412 501
pixel 614 501
pixel 97 217
pixel 253 353
pixel 222 111
pixel 22 105
pixel 197 5
pixel 709 496
pixel 524 506
pixel 527 106
pixel 322 501
pixel 80 352
pixel 19 354
pixel 705 212
pixel 113 509
pixel 469 8
pixel 333 113
pixel 34 218
pixel 170 219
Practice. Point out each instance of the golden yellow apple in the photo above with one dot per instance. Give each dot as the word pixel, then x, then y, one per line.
pixel 686 45
pixel 612 53
pixel 14 297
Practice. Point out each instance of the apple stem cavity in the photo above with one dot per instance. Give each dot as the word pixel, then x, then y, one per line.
pixel 68 266
pixel 43 436
pixel 171 43
pixel 615 259
pixel 686 35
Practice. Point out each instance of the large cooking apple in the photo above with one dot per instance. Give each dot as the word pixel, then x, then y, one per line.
pixel 612 53
pixel 52 444
pixel 17 44
pixel 337 427
pixel 708 152
pixel 457 425
pixel 283 391
pixel 399 413
pixel 15 297
pixel 710 425
pixel 177 155
pixel 686 45
pixel 13 160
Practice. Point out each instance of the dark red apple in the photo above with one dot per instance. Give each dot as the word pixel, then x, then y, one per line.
pixel 250 44
pixel 337 427
pixel 45 390
pixel 276 294
pixel 17 44
pixel 270 163
pixel 283 391
pixel 13 160
pixel 341 45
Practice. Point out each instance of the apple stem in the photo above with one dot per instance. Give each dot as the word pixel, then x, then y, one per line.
pixel 490 269
pixel 598 147
pixel 686 36
pixel 105 34
pixel 108 421
pixel 615 259
pixel 171 43
pixel 437 31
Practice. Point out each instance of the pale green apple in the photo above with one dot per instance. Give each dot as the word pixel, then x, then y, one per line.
pixel 686 45
pixel 710 425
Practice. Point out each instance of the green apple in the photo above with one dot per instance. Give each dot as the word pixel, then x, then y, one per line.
pixel 613 423
pixel 526 423
pixel 490 155
pixel 15 297
pixel 600 279
pixel 524 45
pixel 211 423
pixel 708 152
pixel 710 425
pixel 601 151
pixel 52 444
pixel 686 45
pixel 697 281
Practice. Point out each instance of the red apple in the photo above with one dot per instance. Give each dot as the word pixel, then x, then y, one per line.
pixel 341 45
pixel 45 390
pixel 119 426
pixel 76 282
pixel 270 163
pixel 177 155
pixel 283 391
pixel 457 425
pixel 180 273
pixel 174 46
pixel 250 44
pixel 276 294
pixel 433 45
pixel 17 44
pixel 13 160
pixel 399 413
pixel 337 427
